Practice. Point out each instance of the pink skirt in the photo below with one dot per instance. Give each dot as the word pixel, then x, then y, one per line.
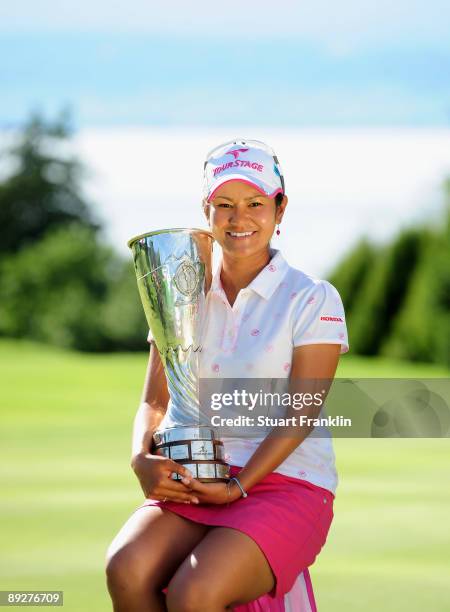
pixel 287 517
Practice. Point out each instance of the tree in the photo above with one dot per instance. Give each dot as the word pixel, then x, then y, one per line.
pixel 350 274
pixel 44 190
pixel 397 295
pixel 421 331
pixel 59 282
pixel 53 290
pixel 383 292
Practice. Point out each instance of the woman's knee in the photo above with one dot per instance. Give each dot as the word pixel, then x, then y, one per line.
pixel 187 594
pixel 127 570
pixel 147 551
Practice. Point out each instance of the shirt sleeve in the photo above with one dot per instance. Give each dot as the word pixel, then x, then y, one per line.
pixel 321 319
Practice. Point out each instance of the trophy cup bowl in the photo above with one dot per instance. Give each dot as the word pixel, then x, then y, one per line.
pixel 174 272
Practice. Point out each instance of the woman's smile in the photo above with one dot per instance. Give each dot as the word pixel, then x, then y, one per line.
pixel 240 235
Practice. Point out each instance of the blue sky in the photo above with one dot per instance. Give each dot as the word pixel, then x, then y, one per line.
pixel 227 63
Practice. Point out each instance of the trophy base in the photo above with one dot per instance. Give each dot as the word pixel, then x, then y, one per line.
pixel 195 447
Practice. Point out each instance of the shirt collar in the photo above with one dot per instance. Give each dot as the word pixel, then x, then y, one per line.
pixel 265 283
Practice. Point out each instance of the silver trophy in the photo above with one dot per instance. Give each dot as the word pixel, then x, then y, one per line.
pixel 174 271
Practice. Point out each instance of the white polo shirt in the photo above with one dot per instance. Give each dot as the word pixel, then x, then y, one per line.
pixel 280 309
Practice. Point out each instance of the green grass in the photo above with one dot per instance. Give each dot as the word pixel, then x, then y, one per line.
pixel 67 488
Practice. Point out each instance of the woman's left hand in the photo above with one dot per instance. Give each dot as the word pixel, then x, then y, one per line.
pixel 211 492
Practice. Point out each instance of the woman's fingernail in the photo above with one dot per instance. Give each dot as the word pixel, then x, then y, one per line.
pixel 195 500
pixel 186 480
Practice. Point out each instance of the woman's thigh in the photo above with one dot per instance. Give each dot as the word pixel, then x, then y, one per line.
pixel 226 567
pixel 150 546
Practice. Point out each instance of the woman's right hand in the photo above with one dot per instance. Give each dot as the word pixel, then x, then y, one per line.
pixel 154 473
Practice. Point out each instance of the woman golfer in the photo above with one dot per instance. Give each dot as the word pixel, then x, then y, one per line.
pixel 217 546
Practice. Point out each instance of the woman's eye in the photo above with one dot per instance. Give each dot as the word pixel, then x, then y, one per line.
pixel 256 204
pixel 222 205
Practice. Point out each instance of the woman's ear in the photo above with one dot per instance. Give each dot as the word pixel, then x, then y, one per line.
pixel 206 208
pixel 280 209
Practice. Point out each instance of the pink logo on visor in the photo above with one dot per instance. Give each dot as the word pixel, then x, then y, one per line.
pixel 235 152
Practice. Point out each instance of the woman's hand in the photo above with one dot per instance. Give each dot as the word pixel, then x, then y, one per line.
pixel 155 476
pixel 213 492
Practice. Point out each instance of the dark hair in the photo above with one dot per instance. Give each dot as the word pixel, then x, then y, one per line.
pixel 278 199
